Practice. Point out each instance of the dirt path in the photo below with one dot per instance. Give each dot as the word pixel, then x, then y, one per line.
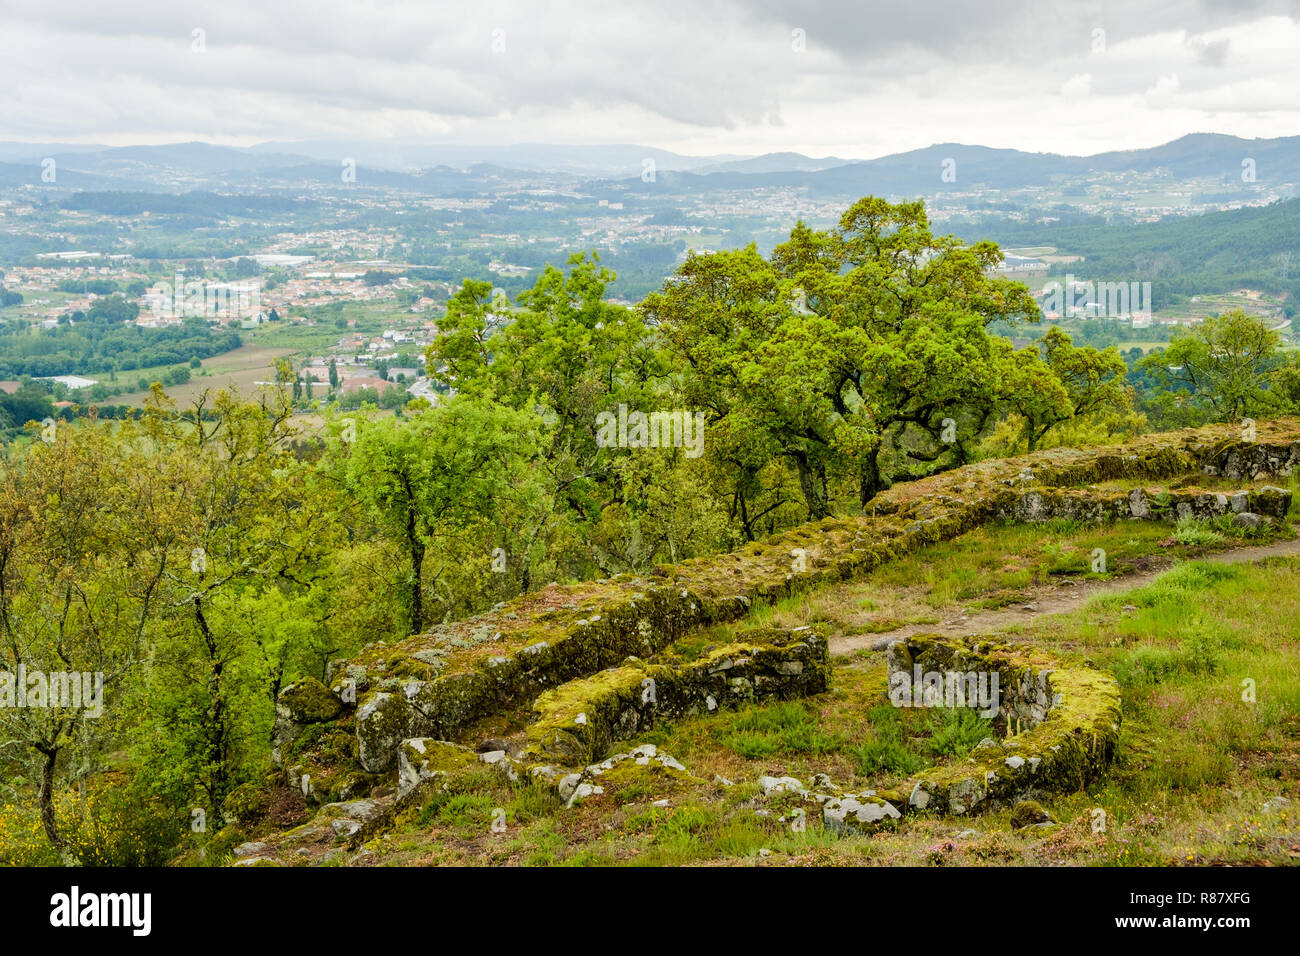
pixel 1048 600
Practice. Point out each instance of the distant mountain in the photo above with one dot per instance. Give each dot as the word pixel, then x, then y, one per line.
pixel 190 159
pixel 921 171
pixel 29 174
pixel 1209 154
pixel 613 161
pixel 775 163
pixel 167 168
pixel 932 171
pixel 34 152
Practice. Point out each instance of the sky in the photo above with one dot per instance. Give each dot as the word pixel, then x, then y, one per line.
pixel 848 79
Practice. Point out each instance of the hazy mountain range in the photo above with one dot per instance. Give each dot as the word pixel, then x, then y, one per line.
pixel 482 169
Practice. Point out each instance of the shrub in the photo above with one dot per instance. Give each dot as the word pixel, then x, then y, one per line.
pixel 1194 533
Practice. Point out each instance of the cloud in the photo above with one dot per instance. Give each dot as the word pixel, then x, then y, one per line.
pixel 703 76
pixel 1076 86
pixel 1209 52
pixel 1164 91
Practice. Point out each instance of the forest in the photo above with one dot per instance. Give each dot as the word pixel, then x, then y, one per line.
pixel 105 336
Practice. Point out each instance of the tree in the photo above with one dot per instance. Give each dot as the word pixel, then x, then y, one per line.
pixel 564 355
pixel 1093 384
pixel 1223 365
pixel 428 477
pixel 76 598
pixel 253 533
pixel 863 351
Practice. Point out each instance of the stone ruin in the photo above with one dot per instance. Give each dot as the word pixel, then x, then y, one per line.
pixel 584 662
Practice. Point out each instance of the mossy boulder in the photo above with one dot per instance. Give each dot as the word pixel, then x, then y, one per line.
pixel 245 804
pixel 640 773
pixel 302 704
pixel 422 763
pixel 383 721
pixel 1271 501
pixel 310 702
pixel 858 812
pixel 1028 813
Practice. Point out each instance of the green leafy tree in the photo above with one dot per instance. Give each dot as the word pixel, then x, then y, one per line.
pixel 864 350
pixel 1223 365
pixel 1070 382
pixel 76 599
pixel 428 477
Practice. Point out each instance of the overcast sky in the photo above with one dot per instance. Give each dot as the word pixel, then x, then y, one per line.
pixel 708 76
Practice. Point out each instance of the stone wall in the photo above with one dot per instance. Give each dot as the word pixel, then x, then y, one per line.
pixel 1063 723
pixel 578 723
pixel 1269 502
pixel 436 684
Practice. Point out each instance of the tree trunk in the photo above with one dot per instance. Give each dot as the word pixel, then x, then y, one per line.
pixel 416 549
pixel 216 729
pixel 812 482
pixel 46 800
pixel 869 480
pixel 744 516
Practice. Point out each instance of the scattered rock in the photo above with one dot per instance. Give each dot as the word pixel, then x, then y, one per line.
pixel 1028 813
pixel 582 791
pixel 857 812
pixel 568 785
pixel 773 785
pixel 1247 519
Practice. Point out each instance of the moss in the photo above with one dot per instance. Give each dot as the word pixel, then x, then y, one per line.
pixel 1060 754
pixel 629 780
pixel 1027 813
pixel 310 702
pixel 579 721
pixel 445 757
pixel 245 804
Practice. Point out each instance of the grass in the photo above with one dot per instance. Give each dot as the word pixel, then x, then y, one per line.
pixel 987 569
pixel 1207 656
pixel 788 727
pixel 1195 534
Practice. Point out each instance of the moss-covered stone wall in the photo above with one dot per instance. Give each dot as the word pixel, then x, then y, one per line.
pixel 577 723
pixel 1062 724
pixel 438 683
